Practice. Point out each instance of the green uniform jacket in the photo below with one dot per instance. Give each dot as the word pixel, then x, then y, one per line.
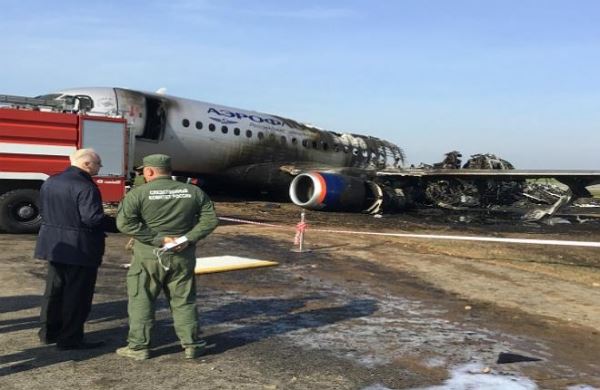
pixel 164 207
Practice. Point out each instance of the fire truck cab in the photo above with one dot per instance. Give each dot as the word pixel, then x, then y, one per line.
pixel 37 136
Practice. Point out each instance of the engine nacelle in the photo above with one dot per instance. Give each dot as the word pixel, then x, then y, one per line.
pixel 331 191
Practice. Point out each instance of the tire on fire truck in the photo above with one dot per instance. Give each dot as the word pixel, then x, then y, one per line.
pixel 19 211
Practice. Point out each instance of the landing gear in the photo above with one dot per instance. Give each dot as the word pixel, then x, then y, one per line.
pixel 19 211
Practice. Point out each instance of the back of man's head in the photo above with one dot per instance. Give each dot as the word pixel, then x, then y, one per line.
pixel 87 160
pixel 83 155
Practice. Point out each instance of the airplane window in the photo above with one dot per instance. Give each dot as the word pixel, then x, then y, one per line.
pixel 294 141
pixel 336 147
pixel 314 144
pixel 261 135
pixel 185 123
pixel 211 127
pixel 224 129
pixel 365 153
pixel 199 125
pixel 324 145
pixel 248 133
pixel 355 152
pixel 236 131
pixel 305 143
pixel 283 139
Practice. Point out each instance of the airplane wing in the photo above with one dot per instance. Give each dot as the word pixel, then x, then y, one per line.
pixel 377 191
pixel 576 180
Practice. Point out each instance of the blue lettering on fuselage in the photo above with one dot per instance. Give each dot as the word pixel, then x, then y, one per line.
pixel 223 121
pixel 253 118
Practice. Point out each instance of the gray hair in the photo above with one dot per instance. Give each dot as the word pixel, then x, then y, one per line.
pixel 83 155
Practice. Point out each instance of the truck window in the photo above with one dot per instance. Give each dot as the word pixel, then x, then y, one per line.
pixel 107 140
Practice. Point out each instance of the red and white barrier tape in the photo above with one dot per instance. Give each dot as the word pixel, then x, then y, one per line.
pixel 302 226
pixel 591 244
pixel 252 222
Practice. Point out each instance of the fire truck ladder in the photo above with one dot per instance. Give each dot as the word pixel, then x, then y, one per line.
pixel 77 103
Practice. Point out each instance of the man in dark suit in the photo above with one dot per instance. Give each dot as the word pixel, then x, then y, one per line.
pixel 71 239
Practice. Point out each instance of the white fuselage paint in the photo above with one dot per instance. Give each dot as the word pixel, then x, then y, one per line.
pixel 212 152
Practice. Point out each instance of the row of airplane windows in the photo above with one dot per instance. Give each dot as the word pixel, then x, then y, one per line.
pixel 305 142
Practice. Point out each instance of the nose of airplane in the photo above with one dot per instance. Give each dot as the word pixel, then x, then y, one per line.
pixel 103 98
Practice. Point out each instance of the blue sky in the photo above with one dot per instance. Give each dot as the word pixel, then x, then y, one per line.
pixel 518 78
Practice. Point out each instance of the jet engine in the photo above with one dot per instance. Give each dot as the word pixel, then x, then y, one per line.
pixel 330 191
pixel 335 192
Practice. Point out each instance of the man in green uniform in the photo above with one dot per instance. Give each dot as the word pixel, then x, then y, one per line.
pixel 156 215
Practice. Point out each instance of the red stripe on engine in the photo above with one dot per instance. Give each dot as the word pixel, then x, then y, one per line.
pixel 323 188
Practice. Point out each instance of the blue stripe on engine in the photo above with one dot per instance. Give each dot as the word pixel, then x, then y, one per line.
pixel 335 185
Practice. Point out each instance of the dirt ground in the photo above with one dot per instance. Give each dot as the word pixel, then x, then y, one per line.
pixel 356 312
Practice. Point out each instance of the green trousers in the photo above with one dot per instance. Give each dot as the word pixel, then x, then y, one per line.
pixel 146 278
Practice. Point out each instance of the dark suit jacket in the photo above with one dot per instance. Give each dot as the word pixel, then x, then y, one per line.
pixel 72 220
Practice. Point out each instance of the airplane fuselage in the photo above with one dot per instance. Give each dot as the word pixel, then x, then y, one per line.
pixel 319 169
pixel 210 139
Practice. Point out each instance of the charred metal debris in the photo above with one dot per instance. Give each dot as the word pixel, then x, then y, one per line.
pixel 532 200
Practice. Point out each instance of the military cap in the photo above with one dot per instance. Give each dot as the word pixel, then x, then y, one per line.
pixel 156 161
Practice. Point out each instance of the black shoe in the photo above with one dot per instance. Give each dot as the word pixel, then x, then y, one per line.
pixel 81 345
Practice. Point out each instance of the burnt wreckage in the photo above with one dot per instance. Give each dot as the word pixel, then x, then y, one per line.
pixel 491 184
pixel 245 151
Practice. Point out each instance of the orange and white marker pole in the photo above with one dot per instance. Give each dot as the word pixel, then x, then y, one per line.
pixel 299 237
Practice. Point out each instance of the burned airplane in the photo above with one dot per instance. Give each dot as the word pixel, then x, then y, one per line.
pixel 475 188
pixel 319 169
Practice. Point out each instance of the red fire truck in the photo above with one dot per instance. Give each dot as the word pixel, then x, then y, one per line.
pixel 36 138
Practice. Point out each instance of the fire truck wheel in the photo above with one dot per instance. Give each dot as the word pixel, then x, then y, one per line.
pixel 19 211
